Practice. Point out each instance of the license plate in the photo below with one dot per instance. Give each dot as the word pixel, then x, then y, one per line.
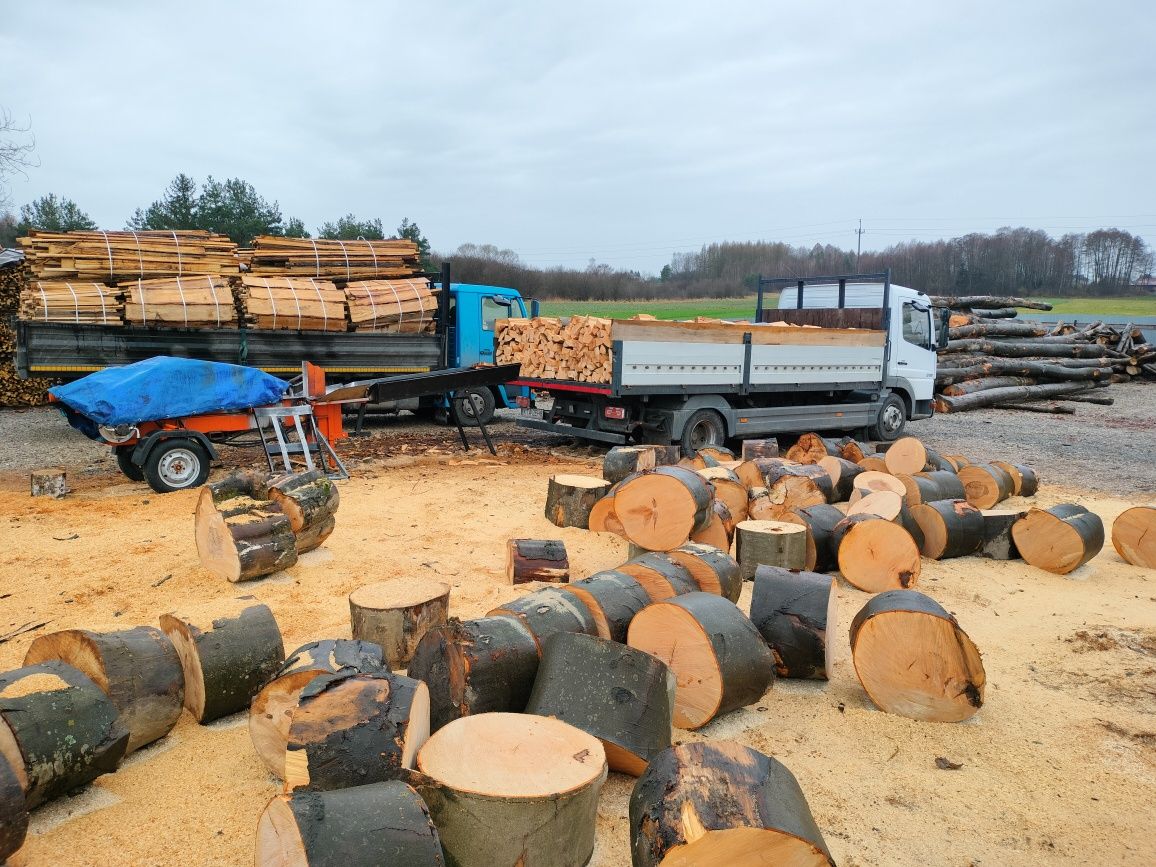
pixel 531 412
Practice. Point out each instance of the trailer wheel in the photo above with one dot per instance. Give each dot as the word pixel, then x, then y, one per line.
pixel 175 465
pixel 892 419
pixel 476 407
pixel 124 461
pixel 704 428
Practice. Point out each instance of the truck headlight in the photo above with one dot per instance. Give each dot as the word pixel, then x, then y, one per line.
pixel 122 433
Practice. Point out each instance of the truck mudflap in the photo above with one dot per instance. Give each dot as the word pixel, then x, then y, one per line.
pixel 568 430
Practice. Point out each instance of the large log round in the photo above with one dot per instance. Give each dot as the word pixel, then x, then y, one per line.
pixel 13 813
pixel 547 611
pixel 986 485
pixel 810 448
pixel 1025 482
pixel 622 461
pixel 306 499
pixel 769 543
pixel 1134 536
pixel 906 455
pixel 889 506
pixel 1060 539
pixel 396 614
pixel 661 575
pixel 660 510
pixel 951 528
pixel 822 555
pixel 569 499
pixel 713 570
pixel 728 488
pixel 875 554
pixel 240 538
pixel 612 598
pixel 843 473
pixel 931 486
pixel 793 612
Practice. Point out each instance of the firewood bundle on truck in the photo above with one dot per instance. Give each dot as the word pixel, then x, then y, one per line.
pixel 837 353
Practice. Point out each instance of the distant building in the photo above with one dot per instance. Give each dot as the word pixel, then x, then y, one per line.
pixel 1146 285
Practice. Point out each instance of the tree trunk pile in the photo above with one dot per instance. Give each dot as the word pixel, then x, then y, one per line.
pixel 1059 539
pixel 793 610
pixel 395 615
pixel 1134 536
pixel 575 348
pixel 529 560
pixel 569 499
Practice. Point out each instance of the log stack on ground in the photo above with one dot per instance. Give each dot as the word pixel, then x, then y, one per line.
pixel 529 560
pixel 793 611
pixel 292 304
pixel 276 255
pixel 1134 536
pixel 914 660
pixel 661 509
pixel 612 598
pixel 204 301
pixel 396 614
pixel 769 543
pixel 14 391
pixel 111 257
pixel 394 306
pixel 951 528
pixel 77 303
pixel 576 348
pixel 875 554
pixel 1060 539
pixel 569 499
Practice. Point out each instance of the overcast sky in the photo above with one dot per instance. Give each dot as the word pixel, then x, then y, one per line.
pixel 621 131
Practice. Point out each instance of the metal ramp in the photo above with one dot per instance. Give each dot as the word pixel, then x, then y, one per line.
pixel 290 436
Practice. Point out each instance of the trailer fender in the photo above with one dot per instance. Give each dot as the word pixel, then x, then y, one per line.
pixel 680 416
pixel 145 446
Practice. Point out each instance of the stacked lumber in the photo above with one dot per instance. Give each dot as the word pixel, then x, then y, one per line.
pixel 110 257
pixel 14 391
pixel 204 301
pixel 577 348
pixel 295 304
pixel 277 256
pixel 80 303
pixel 395 306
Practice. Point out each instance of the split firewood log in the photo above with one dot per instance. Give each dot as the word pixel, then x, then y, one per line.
pixel 529 560
pixel 613 598
pixel 720 661
pixel 875 554
pixel 603 518
pixel 842 473
pixel 240 533
pixel 61 730
pixel 660 575
pixel 799 486
pixel 927 487
pixel 769 543
pixel 889 506
pixel 476 666
pixel 713 570
pixel 753 472
pixel 271 711
pixel 998 543
pixel 1134 536
pixel 810 448
pixel 720 527
pixel 1025 482
pixel 1060 539
pixel 396 614
pixel 622 696
pixel 138 668
pixel 728 488
pixel 547 611
pixel 506 790
pixel 229 649
pixel 766 448
pixel 569 499
pixel 914 660
pixel 793 611
pixel 661 509
pixel 718 803
pixel 760 507
pixel 820 522
pixel 622 461
pixel 344 826
pixel 352 728
pixel 13 812
pixel 951 528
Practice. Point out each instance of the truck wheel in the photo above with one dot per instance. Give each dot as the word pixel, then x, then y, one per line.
pixel 477 407
pixel 175 465
pixel 124 461
pixel 892 419
pixel 704 428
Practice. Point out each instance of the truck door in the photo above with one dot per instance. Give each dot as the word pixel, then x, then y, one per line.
pixel 914 355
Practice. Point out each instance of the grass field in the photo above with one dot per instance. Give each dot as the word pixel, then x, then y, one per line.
pixel 734 308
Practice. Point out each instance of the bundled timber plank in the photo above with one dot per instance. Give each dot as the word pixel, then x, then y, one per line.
pixel 1025 482
pixel 114 256
pixel 569 499
pixel 78 303
pixel 792 611
pixel 513 790
pixel 721 803
pixel 769 543
pixel 275 255
pixel 661 575
pixel 843 473
pixel 875 554
pixel 713 570
pixel 13 812
pixel 547 611
pixel 765 448
pixel 613 598
pixel 529 560
pixel 622 461
pixel 293 304
pixel 1134 536
pixel 914 660
pixel 392 306
pixel 951 528
pixel 1059 539
pixel 396 614
pixel 986 485
pixel 204 301
pixel 810 448
pixel 622 696
pixel 718 657
pixel 998 543
pixel 663 508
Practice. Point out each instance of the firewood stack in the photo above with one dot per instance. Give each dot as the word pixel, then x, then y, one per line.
pixel 82 303
pixel 577 348
pixel 205 301
pixel 14 391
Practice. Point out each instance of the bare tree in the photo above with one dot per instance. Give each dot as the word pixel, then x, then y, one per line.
pixel 16 146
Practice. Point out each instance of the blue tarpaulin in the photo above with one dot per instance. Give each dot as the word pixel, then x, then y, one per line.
pixel 165 387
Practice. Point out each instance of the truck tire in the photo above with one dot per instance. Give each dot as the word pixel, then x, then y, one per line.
pixel 892 419
pixel 476 407
pixel 704 428
pixel 124 461
pixel 176 465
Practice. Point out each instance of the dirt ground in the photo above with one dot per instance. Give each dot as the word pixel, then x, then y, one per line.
pixel 1058 767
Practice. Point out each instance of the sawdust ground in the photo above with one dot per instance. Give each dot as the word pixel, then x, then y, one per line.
pixel 1058 767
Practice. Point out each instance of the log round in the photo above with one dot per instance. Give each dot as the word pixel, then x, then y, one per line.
pixel 137 668
pixel 396 614
pixel 914 660
pixel 729 489
pixel 476 666
pixel 547 611
pixel 1060 539
pixel 931 486
pixel 793 612
pixel 306 499
pixel 719 529
pixel 718 454
pixel 769 543
pixel 228 650
pixel 874 554
pixel 271 711
pixel 720 803
pixel 603 518
pixel 569 499
pixel 810 448
pixel 13 813
pixel 822 555
pixel 1134 536
pixel 870 481
pixel 345 827
pixel 1025 482
pixel 513 790
pixel 619 694
pixel 622 461
pixel 998 543
pixel 660 575
pixel 889 506
pixel 753 472
pixel 353 728
pixel 852 450
pixel 240 538
pixel 951 528
pixel 613 598
pixel 660 510
pixel 720 661
pixel 766 448
pixel 64 730
pixel 842 473
pixel 986 485
pixel 906 455
pixel 713 570
pixel 799 486
pixel 873 463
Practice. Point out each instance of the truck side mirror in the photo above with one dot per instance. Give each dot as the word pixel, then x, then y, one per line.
pixel 942 332
pixel 535 308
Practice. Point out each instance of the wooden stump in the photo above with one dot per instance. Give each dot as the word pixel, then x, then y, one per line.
pixel 240 536
pixel 714 571
pixel 998 543
pixel 396 614
pixel 766 448
pixel 660 510
pixel 352 728
pixel 874 554
pixel 951 528
pixel 229 650
pixel 770 543
pixel 843 473
pixel 622 461
pixel 476 666
pixel 612 598
pixel 914 660
pixel 793 611
pixel 48 483
pixel 932 486
pixel 810 448
pixel 985 485
pixel 660 575
pixel 1025 482
pixel 547 611
pixel 1060 539
pixel 271 711
pixel 721 803
pixel 622 696
pixel 13 813
pixel 570 498
pixel 889 506
pixel 720 661
pixel 822 555
pixel 513 790
pixel 318 829
pixel 137 668
pixel 1134 536
pixel 63 730
pixel 719 529
pixel 729 490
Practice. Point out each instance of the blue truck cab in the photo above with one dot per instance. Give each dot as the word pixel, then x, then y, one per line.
pixel 470 340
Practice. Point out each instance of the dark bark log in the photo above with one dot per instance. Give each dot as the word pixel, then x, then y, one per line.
pixel 1025 483
pixel 720 527
pixel 314 535
pixel 766 448
pixel 986 485
pixel 547 611
pixel 1060 539
pixel 307 499
pixel 662 509
pixel 660 575
pixel 241 538
pixel 996 313
pixel 853 451
pixel 529 560
pixel 842 473
pixel 613 598
pixel 1050 409
pixel 792 611
pixel 930 486
pixel 396 614
pixel 728 488
pixel 998 543
pixel 13 813
pixel 1087 398
pixel 951 528
pixel 1026 368
pixel 570 498
pixel 997 329
pixel 996 396
pixel 713 570
pixel 986 383
pixel 821 522
pixel 753 472
pixel 769 543
pixel 623 461
pixel 875 554
pixel 987 302
pixel 1010 349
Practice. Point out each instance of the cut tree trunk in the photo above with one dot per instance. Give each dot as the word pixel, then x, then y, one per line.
pixel 935 485
pixel 570 498
pixel 719 659
pixel 613 598
pixel 660 575
pixel 986 302
pixel 64 730
pixel 529 560
pixel 753 472
pixel 810 448
pixel 603 518
pixel 1060 539
pixel 986 485
pixel 889 506
pixel 239 535
pixel 138 668
pixel 768 448
pixel 660 510
pixel 1134 536
pixel 547 611
pixel 870 481
pixel 873 464
pixel 351 728
pixel 307 499
pixel 13 813
pixel 622 696
pixel 720 527
pixel 1025 482
pixel 713 570
pixel 622 461
pixel 322 829
pixel 728 488
pixel 970 386
pixel 997 329
pixel 998 543
pixel 792 611
pixel 875 554
pixel 914 660
pixel 951 528
pixel 843 473
pixel 769 543
pixel 996 396
pixel 396 615
pixel 229 650
pixel 822 555
pixel 513 790
pixel 721 803
pixel 799 486
pixel 271 711
pixel 476 666
pixel 1020 367
pixel 909 455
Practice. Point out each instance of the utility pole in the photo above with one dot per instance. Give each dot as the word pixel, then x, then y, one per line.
pixel 858 244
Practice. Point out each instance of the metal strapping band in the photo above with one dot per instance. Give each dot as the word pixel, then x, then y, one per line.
pixel 139 257
pixel 316 259
pixel 108 247
pixel 75 304
pixel 345 253
pixel 396 298
pixel 216 303
pixel 269 292
pixel 103 309
pixel 372 253
pixel 324 310
pixel 296 300
pixel 177 241
pixel 184 306
pixel 43 299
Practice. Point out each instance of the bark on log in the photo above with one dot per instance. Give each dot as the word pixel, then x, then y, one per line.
pixel 352 728
pixel 799 486
pixel 229 650
pixel 987 302
pixel 985 383
pixel 613 598
pixel 992 367
pixel 513 790
pixel 660 510
pixel 570 498
pixel 547 611
pixel 822 555
pixel 529 560
pixel 728 488
pixel 719 659
pixel 64 731
pixel 1025 482
pixel 622 461
pixel 713 570
pixel 997 313
pixel 48 483
pixel 306 499
pixel 810 447
pixel 932 486
pixel 951 528
pixel 753 472
pixel 137 668
pixel 1134 536
pixel 997 396
pixel 720 527
pixel 618 694
pixel 396 614
pixel 476 666
pixel 240 538
pixel 852 450
pixel 13 813
pixel 874 554
pixel 997 329
pixel 914 660
pixel 1060 539
pixel 314 535
pixel 792 611
pixel 998 543
pixel 769 543
pixel 889 506
pixel 346 827
pixel 766 448
pixel 843 473
pixel 1018 349
pixel 603 518
pixel 660 575
pixel 986 485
